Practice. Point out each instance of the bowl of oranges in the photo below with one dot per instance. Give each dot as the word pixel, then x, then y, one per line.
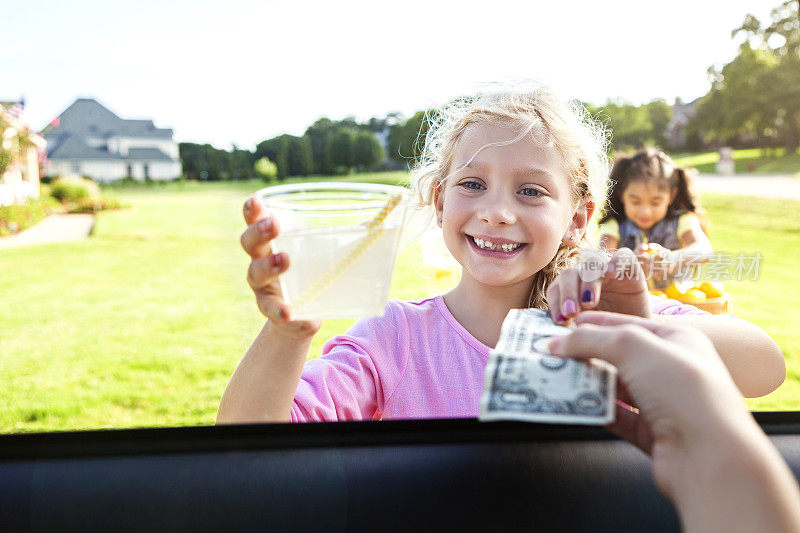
pixel 707 295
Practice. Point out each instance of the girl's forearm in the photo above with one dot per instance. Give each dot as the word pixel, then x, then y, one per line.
pixel 753 359
pixel 264 383
pixel 695 249
pixel 735 480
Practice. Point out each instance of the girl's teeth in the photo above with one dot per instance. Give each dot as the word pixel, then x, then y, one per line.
pixel 486 245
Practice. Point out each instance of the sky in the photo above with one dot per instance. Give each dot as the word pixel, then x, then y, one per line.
pixel 238 72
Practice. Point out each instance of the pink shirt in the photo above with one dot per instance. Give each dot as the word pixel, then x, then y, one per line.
pixel 415 361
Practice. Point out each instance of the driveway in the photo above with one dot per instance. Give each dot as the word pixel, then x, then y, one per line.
pixel 784 186
pixel 55 228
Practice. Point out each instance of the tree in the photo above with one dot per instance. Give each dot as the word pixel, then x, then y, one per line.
pixel 277 151
pixel 266 169
pixel 367 151
pixel 203 161
pixel 756 94
pixel 318 135
pixel 240 164
pixel 635 126
pixel 659 113
pixel 407 139
pixel 301 157
pixel 738 103
pixel 339 150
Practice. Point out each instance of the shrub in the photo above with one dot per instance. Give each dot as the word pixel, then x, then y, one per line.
pixel 266 169
pixel 14 218
pixel 71 189
pixel 93 205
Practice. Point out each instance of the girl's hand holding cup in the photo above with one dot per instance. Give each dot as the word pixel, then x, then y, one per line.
pixel 265 267
pixel 617 284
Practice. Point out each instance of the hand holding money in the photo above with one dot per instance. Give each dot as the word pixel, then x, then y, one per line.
pixel 709 455
pixel 523 381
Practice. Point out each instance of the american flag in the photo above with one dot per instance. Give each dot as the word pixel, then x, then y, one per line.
pixel 17 109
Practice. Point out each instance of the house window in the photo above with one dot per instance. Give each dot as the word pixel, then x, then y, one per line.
pixel 146 172
pixel 130 170
pixel 76 168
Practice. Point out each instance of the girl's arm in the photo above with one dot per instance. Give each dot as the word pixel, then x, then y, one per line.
pixel 696 242
pixel 753 359
pixel 696 247
pixel 263 385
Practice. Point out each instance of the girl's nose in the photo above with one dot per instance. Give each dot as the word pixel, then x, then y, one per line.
pixel 496 211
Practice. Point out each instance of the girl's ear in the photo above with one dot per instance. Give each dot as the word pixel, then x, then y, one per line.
pixel 438 203
pixel 580 222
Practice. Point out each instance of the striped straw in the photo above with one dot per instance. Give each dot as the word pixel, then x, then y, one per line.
pixel 374 231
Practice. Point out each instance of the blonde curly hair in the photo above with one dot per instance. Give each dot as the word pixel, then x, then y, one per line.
pixel 566 126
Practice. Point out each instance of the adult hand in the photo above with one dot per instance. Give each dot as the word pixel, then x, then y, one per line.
pixel 671 374
pixel 265 267
pixel 618 286
pixel 709 455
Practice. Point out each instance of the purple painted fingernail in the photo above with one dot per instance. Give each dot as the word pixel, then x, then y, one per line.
pixel 264 225
pixel 561 318
pixel 569 307
pixel 276 260
pixel 588 296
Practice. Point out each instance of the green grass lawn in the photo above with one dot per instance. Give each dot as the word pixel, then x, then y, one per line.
pixel 765 162
pixel 143 323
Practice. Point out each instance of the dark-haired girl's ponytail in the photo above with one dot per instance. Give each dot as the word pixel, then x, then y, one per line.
pixel 685 198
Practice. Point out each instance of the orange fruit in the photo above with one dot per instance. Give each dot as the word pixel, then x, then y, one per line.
pixel 712 289
pixel 695 294
pixel 675 292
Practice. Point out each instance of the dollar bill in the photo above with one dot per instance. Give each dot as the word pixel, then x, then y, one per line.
pixel 523 381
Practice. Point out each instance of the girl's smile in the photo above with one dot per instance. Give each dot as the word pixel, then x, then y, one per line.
pixel 495 246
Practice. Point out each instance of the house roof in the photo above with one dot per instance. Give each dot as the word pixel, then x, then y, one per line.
pixel 147 154
pixel 89 117
pixel 73 146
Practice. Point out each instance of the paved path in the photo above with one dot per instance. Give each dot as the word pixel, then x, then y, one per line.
pixel 55 228
pixel 783 186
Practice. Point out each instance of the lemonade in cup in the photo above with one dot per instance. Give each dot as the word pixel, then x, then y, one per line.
pixel 342 240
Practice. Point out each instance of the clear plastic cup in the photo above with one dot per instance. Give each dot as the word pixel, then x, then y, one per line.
pixel 342 241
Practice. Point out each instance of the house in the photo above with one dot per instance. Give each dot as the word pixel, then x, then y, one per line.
pixel 676 127
pixel 90 140
pixel 20 152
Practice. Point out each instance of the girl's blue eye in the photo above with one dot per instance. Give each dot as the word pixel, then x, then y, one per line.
pixel 532 192
pixel 471 185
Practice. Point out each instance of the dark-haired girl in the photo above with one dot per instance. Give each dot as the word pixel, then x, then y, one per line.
pixel 652 209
